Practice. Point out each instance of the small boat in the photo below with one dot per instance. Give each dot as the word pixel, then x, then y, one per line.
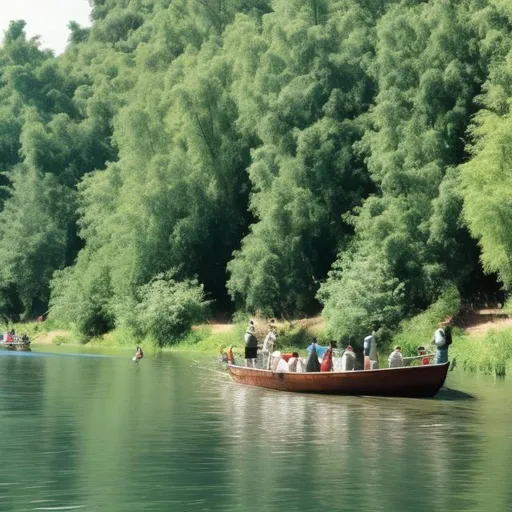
pixel 14 342
pixel 408 381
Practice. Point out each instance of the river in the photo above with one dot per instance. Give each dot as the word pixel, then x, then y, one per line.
pixel 172 433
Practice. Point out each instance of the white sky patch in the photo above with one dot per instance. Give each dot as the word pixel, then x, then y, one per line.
pixel 47 18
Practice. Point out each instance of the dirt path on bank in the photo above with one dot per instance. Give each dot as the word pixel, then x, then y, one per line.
pixel 478 322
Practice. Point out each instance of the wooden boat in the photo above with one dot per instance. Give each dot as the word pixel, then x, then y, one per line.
pixel 14 342
pixel 409 381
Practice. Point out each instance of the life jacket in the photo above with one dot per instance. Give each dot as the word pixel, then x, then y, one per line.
pixel 425 361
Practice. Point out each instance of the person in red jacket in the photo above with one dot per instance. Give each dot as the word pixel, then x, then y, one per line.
pixel 326 365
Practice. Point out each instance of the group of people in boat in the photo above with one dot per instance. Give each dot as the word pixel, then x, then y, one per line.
pixel 321 358
pixel 442 339
pixel 11 338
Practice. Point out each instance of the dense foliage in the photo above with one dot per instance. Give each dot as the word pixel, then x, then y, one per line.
pixel 288 154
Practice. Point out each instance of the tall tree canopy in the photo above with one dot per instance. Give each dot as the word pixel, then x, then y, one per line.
pixel 275 155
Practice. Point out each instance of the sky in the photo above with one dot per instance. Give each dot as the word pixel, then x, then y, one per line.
pixel 47 18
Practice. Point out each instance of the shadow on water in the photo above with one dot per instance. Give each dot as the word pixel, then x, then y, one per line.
pixel 449 394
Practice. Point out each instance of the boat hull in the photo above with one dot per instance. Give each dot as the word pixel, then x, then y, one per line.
pixel 410 381
pixel 15 346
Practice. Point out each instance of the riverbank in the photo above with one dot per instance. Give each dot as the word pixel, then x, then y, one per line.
pixel 482 340
pixel 208 339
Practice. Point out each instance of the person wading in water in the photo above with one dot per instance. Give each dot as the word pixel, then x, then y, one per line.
pixel 138 355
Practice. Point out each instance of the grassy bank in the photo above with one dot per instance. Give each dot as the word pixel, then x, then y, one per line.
pixel 206 339
pixel 490 353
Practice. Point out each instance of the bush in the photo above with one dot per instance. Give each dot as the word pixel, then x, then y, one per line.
pixel 83 300
pixel 167 308
pixel 293 335
pixel 62 340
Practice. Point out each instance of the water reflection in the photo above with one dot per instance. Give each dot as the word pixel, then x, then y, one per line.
pixel 382 453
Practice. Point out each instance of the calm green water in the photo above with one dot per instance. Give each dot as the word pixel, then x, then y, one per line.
pixel 103 434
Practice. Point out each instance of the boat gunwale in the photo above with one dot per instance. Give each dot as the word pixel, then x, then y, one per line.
pixel 332 373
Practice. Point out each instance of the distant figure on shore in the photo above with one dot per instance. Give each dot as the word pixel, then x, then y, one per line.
pixel 442 340
pixel 395 359
pixel 251 345
pixel 138 355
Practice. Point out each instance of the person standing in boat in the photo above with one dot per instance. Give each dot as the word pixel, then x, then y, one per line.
pixel 371 361
pixel 251 345
pixel 319 349
pixel 442 340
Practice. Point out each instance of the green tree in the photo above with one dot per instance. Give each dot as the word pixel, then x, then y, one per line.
pixel 428 70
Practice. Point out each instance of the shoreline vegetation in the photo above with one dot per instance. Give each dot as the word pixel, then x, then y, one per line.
pixel 482 340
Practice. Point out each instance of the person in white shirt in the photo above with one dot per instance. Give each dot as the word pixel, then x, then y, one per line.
pixel 348 360
pixel 292 362
pixel 395 359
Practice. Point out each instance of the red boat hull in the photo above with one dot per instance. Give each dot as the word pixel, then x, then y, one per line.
pixel 410 381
